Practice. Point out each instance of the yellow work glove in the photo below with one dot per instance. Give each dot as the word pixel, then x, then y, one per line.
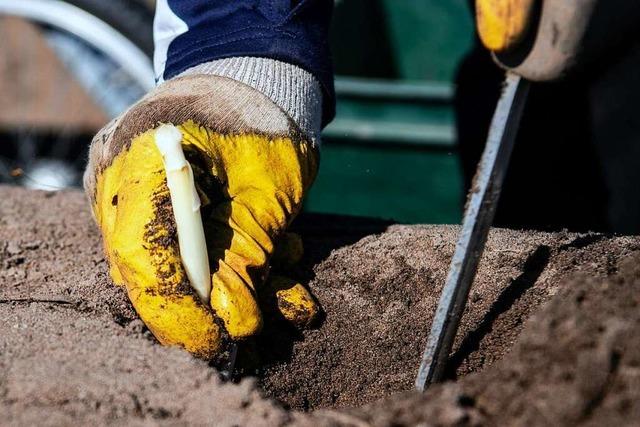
pixel 252 167
pixel 502 24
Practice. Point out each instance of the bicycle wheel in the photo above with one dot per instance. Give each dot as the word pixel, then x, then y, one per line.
pixel 71 66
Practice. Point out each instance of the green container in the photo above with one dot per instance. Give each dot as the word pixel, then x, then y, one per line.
pixel 391 151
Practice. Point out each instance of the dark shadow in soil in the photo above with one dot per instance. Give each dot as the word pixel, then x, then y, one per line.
pixel 533 267
pixel 323 233
pixel 581 242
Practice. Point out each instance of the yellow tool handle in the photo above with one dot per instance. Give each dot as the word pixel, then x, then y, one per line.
pixel 502 24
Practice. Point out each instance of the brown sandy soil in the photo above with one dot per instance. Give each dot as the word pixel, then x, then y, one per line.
pixel 72 350
pixel 576 363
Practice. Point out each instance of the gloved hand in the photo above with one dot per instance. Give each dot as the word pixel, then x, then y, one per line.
pixel 252 167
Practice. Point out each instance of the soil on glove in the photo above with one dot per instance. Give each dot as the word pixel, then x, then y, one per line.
pixel 72 349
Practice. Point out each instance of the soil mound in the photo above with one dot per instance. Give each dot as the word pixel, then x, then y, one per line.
pixel 576 363
pixel 73 351
pixel 381 292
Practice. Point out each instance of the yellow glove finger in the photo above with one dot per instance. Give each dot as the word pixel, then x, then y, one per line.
pixel 133 210
pixel 289 297
pixel 239 247
pixel 237 263
pixel 502 24
pixel 292 300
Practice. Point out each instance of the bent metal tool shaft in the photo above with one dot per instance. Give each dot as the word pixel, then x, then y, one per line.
pixel 479 212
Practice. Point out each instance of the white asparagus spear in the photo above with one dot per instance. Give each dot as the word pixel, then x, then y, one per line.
pixel 186 210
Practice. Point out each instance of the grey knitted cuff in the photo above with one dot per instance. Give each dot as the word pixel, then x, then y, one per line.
pixel 291 88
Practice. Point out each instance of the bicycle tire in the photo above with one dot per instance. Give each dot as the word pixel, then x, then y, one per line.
pixel 133 19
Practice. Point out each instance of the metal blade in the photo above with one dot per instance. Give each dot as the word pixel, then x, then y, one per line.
pixel 479 213
pixel 226 371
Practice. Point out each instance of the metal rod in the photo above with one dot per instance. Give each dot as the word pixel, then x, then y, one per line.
pixel 226 370
pixel 480 210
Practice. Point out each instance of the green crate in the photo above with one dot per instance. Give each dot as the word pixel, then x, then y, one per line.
pixel 391 151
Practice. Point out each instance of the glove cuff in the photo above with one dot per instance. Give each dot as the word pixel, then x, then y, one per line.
pixel 291 88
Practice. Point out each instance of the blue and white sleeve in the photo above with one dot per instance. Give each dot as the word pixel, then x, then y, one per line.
pixel 287 39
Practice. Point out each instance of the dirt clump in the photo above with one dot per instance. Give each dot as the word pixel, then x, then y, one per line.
pixel 72 349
